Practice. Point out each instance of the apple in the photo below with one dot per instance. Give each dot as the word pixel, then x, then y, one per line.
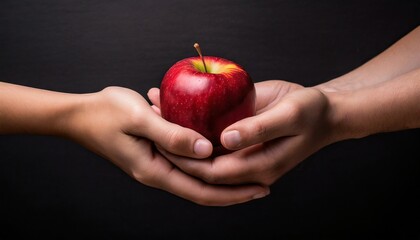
pixel 207 94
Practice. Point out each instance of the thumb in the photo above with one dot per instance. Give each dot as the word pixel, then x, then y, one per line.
pixel 258 129
pixel 177 139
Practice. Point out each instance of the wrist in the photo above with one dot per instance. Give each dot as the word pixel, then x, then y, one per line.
pixel 341 115
pixel 73 120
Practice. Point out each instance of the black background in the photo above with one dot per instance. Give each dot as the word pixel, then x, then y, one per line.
pixel 52 187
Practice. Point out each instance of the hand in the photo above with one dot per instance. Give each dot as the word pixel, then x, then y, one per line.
pixel 117 123
pixel 292 122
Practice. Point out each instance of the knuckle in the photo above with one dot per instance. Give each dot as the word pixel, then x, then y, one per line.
pixel 262 176
pixel 109 89
pixel 174 140
pixel 141 177
pixel 134 119
pixel 265 173
pixel 153 176
pixel 229 171
pixel 145 176
pixel 113 92
pixel 294 114
pixel 259 128
pixel 136 114
pixel 212 177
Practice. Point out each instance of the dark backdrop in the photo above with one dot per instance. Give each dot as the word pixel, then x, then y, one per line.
pixel 52 187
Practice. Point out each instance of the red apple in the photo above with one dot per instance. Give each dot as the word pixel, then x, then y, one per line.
pixel 207 94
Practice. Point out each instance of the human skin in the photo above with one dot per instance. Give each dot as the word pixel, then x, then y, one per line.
pixel 119 125
pixel 293 122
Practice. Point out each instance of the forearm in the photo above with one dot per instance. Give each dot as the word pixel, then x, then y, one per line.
pixel 400 58
pixel 390 106
pixel 34 111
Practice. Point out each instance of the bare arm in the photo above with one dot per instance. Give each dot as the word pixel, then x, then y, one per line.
pixel 388 106
pixel 119 124
pixel 402 57
pixel 35 111
pixel 381 95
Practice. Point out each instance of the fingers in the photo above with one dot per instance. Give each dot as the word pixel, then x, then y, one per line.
pixel 172 137
pixel 154 96
pixel 152 169
pixel 234 168
pixel 262 164
pixel 178 140
pixel 261 128
pixel 188 187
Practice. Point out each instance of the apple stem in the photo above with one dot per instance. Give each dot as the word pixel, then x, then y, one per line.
pixel 197 47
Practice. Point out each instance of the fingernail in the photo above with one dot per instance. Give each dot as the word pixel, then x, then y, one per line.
pixel 232 139
pixel 261 195
pixel 202 147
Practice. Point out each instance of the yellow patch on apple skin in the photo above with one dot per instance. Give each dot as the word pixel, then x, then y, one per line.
pixel 215 67
pixel 223 68
pixel 198 64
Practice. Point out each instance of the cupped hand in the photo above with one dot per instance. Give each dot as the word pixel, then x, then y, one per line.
pixel 120 125
pixel 292 122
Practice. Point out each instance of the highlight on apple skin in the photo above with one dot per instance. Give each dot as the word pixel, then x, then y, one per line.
pixel 207 94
